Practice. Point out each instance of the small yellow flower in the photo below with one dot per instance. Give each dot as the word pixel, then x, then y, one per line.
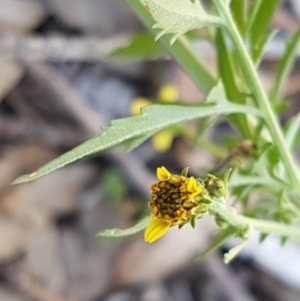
pixel 137 104
pixel 162 140
pixel 168 93
pixel 174 201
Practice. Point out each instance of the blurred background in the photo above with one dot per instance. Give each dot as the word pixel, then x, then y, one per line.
pixel 58 87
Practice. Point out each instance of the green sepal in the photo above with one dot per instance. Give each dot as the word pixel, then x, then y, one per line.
pixel 215 187
pixel 180 226
pixel 193 222
pixel 185 171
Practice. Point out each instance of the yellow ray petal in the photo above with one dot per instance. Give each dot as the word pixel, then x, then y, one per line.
pixel 163 174
pixel 155 229
pixel 193 187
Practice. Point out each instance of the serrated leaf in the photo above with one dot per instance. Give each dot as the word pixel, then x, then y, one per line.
pixel 284 67
pixel 153 119
pixel 178 16
pixel 141 46
pixel 217 242
pixel 118 233
pixel 181 50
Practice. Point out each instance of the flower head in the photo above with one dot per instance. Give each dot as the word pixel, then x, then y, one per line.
pixel 174 201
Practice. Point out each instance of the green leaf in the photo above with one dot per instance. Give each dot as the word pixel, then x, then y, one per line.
pixel 181 50
pixel 239 8
pixel 238 179
pixel 204 126
pixel 178 16
pixel 141 46
pixel 259 21
pixel 153 119
pixel 284 67
pixel 118 233
pixel 217 242
pixel 226 179
pixel 260 46
pixel 228 76
pixel 133 143
pixel 292 133
pixel 232 253
pixel 291 136
pixel 225 67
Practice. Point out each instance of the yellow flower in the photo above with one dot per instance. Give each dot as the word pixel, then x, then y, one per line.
pixel 168 93
pixel 174 201
pixel 137 104
pixel 162 140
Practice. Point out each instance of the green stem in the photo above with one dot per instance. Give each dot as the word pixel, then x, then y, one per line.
pixel 181 50
pixel 260 95
pixel 235 220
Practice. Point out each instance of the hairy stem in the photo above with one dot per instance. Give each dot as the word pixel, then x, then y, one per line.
pixel 235 220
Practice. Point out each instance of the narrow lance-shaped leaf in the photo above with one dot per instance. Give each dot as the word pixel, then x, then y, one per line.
pixel 228 76
pixel 118 233
pixel 239 8
pixel 153 119
pixel 284 67
pixel 232 253
pixel 258 23
pixel 217 242
pixel 292 132
pixel 292 137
